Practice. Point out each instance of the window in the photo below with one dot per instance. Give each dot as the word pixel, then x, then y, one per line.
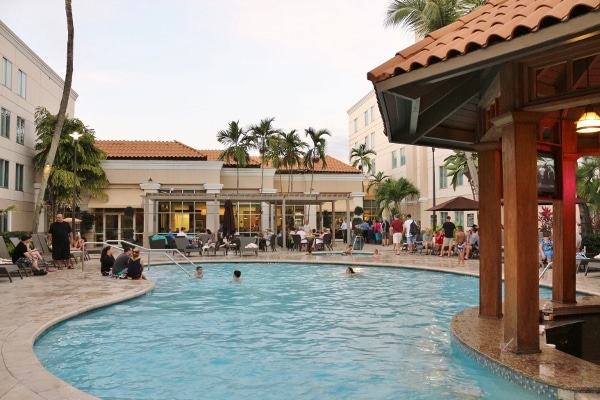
pixel 22 84
pixel 355 124
pixel 443 179
pixel 5 123
pixel 403 156
pixel 373 170
pixel 372 140
pixel 394 159
pixel 459 218
pixel 366 142
pixel 372 113
pixel 6 73
pixel 459 178
pixel 366 118
pixel 4 173
pixel 19 171
pixel 4 223
pixel 20 130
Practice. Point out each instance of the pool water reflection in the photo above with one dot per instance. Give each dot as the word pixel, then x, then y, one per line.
pixel 286 331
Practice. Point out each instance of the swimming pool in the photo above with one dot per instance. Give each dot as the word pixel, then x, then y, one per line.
pixel 287 331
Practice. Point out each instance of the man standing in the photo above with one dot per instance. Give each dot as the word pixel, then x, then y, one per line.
pixel 410 238
pixel 397 233
pixel 385 233
pixel 344 228
pixel 448 227
pixel 60 238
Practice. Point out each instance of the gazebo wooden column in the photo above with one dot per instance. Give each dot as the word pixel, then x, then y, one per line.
pixel 563 232
pixel 521 281
pixel 490 235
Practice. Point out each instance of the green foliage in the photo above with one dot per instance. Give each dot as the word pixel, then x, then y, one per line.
pixel 358 210
pixel 326 219
pixel 390 194
pixel 591 243
pixel 87 221
pixel 237 143
pixel 90 176
pixel 360 158
pixel 6 237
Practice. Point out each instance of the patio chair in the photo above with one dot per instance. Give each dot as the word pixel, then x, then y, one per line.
pixel 5 255
pixel 296 243
pixel 7 269
pixel 244 242
pixel 183 245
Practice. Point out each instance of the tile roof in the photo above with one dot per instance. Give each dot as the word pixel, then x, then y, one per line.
pixel 148 149
pixel 495 22
pixel 162 150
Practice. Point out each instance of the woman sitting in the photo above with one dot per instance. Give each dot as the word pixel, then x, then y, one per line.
pixel 106 260
pixel 135 267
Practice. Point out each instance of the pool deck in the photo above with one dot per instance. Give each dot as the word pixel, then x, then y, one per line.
pixel 32 305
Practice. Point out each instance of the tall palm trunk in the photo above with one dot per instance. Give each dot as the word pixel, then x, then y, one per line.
pixel 62 111
pixel 474 175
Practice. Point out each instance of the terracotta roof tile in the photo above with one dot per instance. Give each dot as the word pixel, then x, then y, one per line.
pixel 161 150
pixel 158 150
pixel 496 21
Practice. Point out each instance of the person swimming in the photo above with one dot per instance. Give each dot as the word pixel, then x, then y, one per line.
pixel 199 272
pixel 349 271
pixel 237 276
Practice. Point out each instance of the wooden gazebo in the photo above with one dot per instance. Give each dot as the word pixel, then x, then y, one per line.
pixel 508 81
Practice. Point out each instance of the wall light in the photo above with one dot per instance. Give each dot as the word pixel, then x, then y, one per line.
pixel 589 122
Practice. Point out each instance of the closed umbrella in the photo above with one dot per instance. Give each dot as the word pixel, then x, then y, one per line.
pixel 228 219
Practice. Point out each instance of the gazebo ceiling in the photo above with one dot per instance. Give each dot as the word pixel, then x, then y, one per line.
pixel 433 93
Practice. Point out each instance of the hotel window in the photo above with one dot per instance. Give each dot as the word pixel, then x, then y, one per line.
pixel 22 84
pixel 459 178
pixel 6 73
pixel 394 159
pixel 366 118
pixel 19 171
pixel 366 142
pixel 372 113
pixel 4 222
pixel 355 124
pixel 459 218
pixel 4 173
pixel 20 130
pixel 443 179
pixel 403 156
pixel 372 140
pixel 5 123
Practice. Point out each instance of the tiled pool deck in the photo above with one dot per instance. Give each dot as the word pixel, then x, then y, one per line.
pixel 32 305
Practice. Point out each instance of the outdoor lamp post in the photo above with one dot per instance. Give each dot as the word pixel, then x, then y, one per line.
pixel 434 216
pixel 75 136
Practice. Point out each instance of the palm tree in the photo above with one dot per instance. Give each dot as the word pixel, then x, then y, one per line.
pixel 457 164
pixel 378 178
pixel 588 188
pixel 391 192
pixel 360 158
pixel 91 178
pixel 424 17
pixel 7 209
pixel 259 135
pixel 315 151
pixel 62 112
pixel 292 148
pixel 236 143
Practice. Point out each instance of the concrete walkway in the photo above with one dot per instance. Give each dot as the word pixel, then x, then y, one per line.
pixel 34 304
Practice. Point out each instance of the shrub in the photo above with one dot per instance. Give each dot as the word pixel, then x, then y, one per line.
pixel 591 243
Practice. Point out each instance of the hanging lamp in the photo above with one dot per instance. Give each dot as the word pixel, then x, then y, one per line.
pixel 589 122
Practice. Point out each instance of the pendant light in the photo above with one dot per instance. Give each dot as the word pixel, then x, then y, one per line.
pixel 589 122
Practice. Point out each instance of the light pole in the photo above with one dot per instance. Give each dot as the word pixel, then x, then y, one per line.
pixel 75 136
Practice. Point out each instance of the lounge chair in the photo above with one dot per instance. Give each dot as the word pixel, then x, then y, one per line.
pixel 5 255
pixel 7 269
pixel 183 245
pixel 245 248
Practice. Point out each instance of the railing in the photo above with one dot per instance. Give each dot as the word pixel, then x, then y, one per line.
pixel 117 244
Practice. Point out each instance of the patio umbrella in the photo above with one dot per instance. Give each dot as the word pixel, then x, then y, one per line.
pixel 69 220
pixel 228 219
pixel 456 204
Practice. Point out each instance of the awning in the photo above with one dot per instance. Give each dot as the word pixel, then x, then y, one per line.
pixel 119 198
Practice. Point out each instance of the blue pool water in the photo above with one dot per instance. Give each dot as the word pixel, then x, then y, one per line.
pixel 287 331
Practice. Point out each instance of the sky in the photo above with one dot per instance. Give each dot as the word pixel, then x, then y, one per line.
pixel 183 69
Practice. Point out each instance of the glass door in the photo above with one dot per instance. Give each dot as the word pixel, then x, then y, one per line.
pixel 112 227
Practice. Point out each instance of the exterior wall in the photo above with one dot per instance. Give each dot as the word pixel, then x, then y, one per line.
pixel 43 88
pixel 417 167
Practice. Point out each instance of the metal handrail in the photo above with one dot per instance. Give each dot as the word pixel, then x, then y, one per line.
pixel 147 251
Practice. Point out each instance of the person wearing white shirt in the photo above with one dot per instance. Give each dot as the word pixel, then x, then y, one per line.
pixel 344 228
